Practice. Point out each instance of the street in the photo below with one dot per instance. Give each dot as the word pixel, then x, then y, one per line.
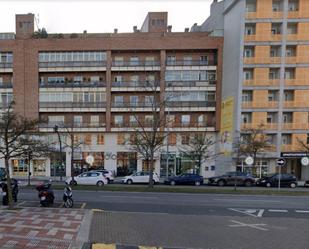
pixel 177 220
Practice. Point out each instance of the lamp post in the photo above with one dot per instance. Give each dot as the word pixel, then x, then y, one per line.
pixel 60 148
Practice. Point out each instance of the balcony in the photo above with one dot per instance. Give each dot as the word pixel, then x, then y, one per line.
pixel 6 67
pixel 71 84
pixel 293 14
pixel 250 38
pixel 191 106
pixel 277 14
pixel 66 66
pixel 191 63
pixel 76 127
pixel 192 126
pixel 295 126
pixel 268 104
pixel 135 86
pixel 136 65
pixel 254 82
pixel 251 15
pixel 294 104
pixel 5 85
pixel 71 106
pixel 190 84
pixel 134 106
pixel 267 126
pixel 291 60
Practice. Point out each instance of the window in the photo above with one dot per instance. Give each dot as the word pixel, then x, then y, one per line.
pixel 149 61
pixel 72 56
pixel 172 139
pixel 149 101
pixel 133 120
pixel 187 60
pixel 134 61
pixel 286 139
pixel 201 120
pixel 55 79
pixel 54 120
pixel 78 79
pixel 289 73
pixel 246 117
pixel 118 61
pixel 287 117
pixel 118 119
pixel 148 119
pixel 170 120
pixel 95 79
pixel 276 28
pixel 150 78
pixel 185 139
pixel 271 117
pixel 78 120
pixel 133 100
pixel 250 28
pixel 293 5
pixel 273 95
pixel 100 139
pixel 118 78
pixel 248 74
pixel 203 60
pixel 246 96
pixel 250 5
pixel 118 100
pixel 290 51
pixel 171 60
pixel 134 79
pixel 277 5
pixel 275 51
pixel 274 73
pixel 288 95
pixel 94 120
pixel 292 28
pixel 249 51
pixel 185 120
pixel 88 139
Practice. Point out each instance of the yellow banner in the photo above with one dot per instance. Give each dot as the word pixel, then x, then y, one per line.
pixel 226 131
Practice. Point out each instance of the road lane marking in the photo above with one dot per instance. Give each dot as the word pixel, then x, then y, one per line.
pixel 302 211
pixel 83 205
pixel 245 200
pixel 103 246
pixel 278 210
pixel 250 212
pixel 254 226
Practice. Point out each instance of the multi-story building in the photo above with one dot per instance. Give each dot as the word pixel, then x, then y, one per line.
pixel 265 72
pixel 94 85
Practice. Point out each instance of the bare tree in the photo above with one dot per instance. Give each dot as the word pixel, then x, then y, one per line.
pixel 149 135
pixel 13 129
pixel 199 149
pixel 254 141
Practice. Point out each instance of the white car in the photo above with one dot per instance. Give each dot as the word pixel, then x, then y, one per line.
pixel 140 177
pixel 88 178
pixel 107 173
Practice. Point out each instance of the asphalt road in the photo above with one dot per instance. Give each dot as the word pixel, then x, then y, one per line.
pixel 206 221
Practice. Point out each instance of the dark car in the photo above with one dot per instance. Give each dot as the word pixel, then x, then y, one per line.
pixel 230 178
pixel 306 183
pixel 286 180
pixel 185 179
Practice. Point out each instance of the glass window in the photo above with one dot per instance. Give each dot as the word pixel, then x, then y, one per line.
pixel 118 100
pixel 134 100
pixel 185 119
pixel 118 120
pixel 134 61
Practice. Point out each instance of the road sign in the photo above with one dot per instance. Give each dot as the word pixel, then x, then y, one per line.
pixel 249 160
pixel 281 162
pixel 304 161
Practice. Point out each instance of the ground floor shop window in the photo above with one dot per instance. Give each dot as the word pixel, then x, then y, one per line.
pixel 171 164
pixel 57 164
pixel 98 162
pixel 20 167
pixel 39 167
pixel 126 163
pixel 260 169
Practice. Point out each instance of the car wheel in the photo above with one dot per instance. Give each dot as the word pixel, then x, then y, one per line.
pixel 197 183
pixel 248 183
pixel 292 185
pixel 129 181
pixel 173 183
pixel 100 183
pixel 221 183
pixel 73 183
pixel 268 185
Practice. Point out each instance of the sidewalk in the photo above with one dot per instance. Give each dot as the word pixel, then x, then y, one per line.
pixel 44 228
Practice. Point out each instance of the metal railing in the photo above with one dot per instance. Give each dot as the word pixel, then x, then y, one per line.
pixel 191 104
pixel 73 64
pixel 74 125
pixel 135 63
pixel 6 64
pixel 72 104
pixel 6 85
pixel 72 84
pixel 135 84
pixel 191 63
pixel 190 83
pixel 132 105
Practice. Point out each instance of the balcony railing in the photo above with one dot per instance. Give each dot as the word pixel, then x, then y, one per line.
pixel 190 63
pixel 72 104
pixel 135 84
pixel 171 125
pixel 191 104
pixel 73 64
pixel 75 125
pixel 132 105
pixel 6 85
pixel 135 63
pixel 190 83
pixel 6 65
pixel 72 84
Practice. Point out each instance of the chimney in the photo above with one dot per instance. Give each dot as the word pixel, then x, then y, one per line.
pixel 115 31
pixel 134 29
pixel 186 30
pixel 169 28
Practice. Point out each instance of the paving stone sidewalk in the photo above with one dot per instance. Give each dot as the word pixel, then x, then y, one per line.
pixel 42 228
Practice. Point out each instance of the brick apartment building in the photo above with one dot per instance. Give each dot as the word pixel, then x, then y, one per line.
pixel 265 76
pixel 96 82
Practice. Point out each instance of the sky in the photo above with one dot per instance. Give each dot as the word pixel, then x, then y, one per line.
pixel 102 16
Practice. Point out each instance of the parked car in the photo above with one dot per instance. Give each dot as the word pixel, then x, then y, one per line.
pixel 107 173
pixel 241 178
pixel 306 183
pixel 140 177
pixel 88 178
pixel 185 178
pixel 286 180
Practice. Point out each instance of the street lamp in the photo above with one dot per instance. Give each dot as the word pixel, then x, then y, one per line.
pixel 60 147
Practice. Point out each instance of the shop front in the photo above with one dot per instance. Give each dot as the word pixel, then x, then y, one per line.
pixel 295 164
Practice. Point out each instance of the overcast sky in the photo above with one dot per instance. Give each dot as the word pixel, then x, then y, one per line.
pixel 68 16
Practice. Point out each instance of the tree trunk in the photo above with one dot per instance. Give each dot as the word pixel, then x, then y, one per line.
pixel 72 157
pixel 151 172
pixel 9 186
